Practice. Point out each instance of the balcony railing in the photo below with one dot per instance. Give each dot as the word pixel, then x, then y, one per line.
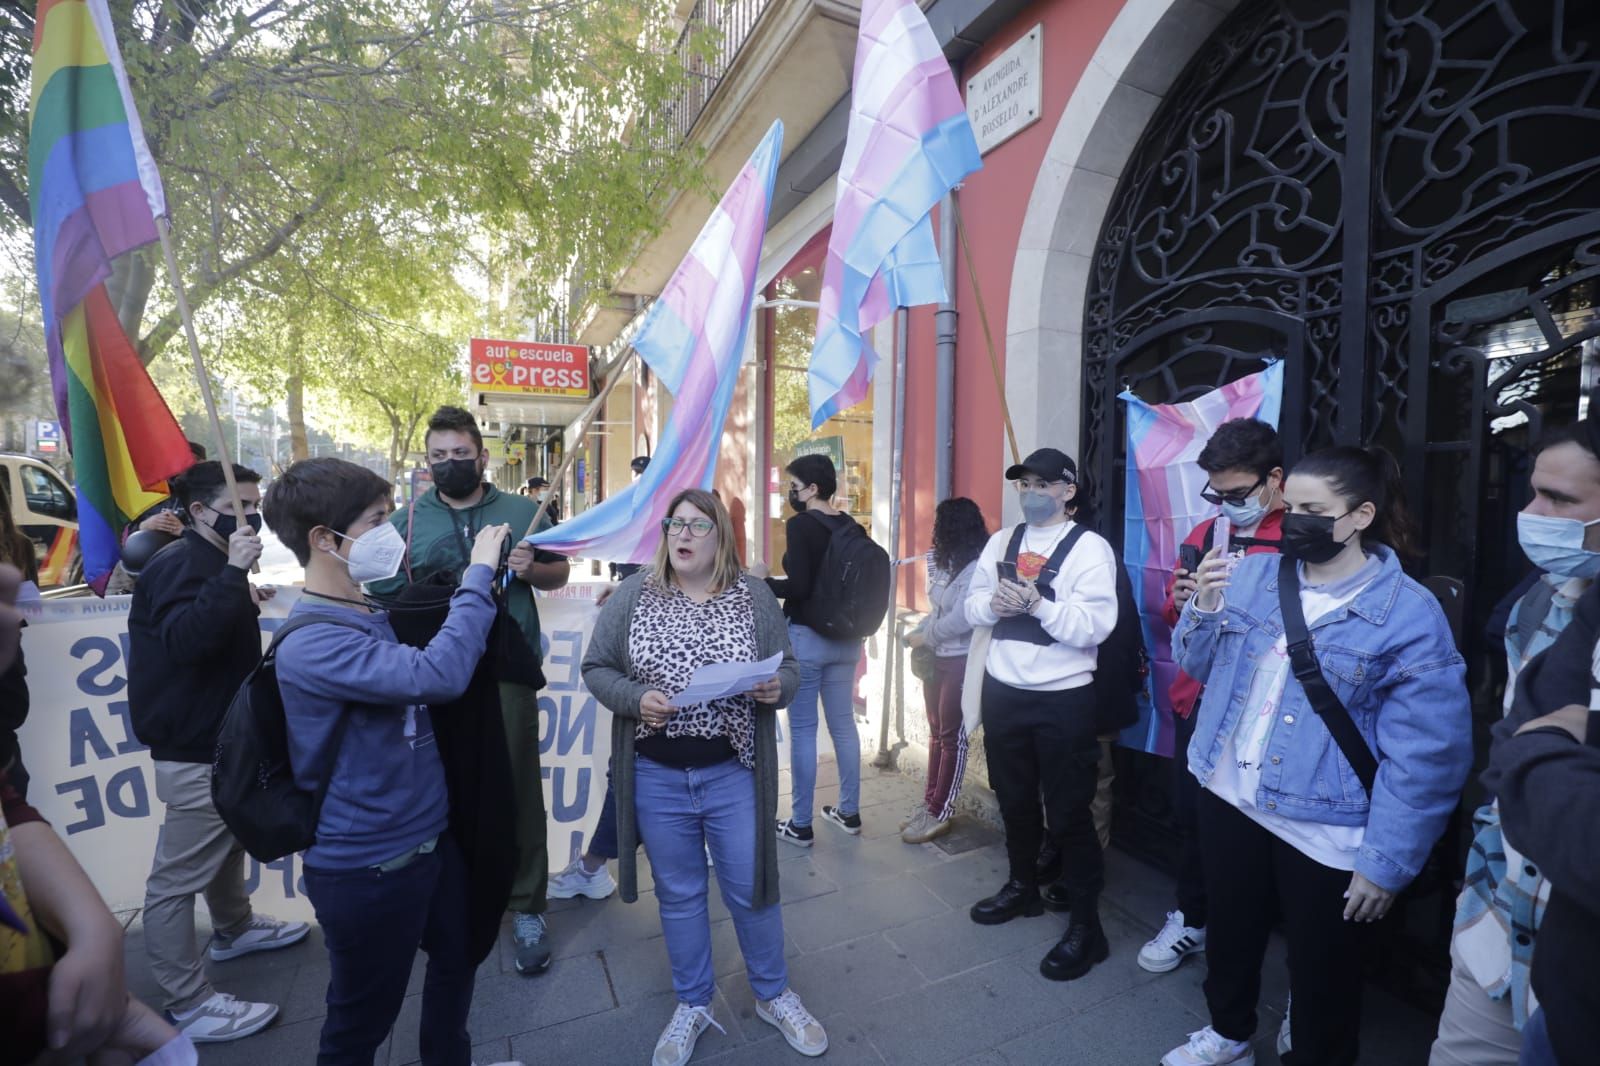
pixel 711 40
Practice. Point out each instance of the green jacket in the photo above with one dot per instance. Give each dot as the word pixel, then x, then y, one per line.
pixel 439 544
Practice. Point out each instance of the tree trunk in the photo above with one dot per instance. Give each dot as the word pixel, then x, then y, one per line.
pixel 132 278
pixel 299 444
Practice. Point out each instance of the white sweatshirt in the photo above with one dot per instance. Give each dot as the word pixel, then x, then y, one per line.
pixel 1079 619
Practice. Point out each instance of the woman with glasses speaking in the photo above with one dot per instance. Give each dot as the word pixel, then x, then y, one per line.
pixel 705 775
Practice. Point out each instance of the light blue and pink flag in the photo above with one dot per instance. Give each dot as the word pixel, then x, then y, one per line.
pixel 908 145
pixel 693 339
pixel 1164 505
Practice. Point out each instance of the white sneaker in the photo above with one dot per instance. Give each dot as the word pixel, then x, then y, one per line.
pixel 1285 1038
pixel 1172 945
pixel 262 934
pixel 576 881
pixel 790 1017
pixel 681 1034
pixel 1210 1048
pixel 222 1018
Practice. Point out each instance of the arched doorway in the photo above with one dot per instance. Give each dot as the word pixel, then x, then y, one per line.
pixel 1401 199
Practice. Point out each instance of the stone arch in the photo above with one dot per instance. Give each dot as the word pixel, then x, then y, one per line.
pixel 1147 47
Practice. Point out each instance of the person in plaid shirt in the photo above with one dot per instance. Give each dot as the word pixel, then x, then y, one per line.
pixel 1504 896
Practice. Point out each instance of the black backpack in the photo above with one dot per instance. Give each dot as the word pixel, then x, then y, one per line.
pixel 252 783
pixel 851 592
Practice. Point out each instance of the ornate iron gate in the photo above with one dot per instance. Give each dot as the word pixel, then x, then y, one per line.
pixel 1401 199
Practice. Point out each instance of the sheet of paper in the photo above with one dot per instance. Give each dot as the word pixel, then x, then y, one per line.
pixel 713 681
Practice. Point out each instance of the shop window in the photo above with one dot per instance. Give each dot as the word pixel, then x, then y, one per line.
pixel 846 438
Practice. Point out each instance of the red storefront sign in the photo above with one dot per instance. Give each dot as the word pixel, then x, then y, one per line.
pixel 523 368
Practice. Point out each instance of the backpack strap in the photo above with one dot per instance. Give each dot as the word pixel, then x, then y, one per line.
pixel 1323 700
pixel 1209 541
pixel 1532 610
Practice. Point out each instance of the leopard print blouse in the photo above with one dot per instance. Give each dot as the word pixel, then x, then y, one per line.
pixel 670 636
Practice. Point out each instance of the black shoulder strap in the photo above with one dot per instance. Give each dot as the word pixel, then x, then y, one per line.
pixel 1014 548
pixel 1209 541
pixel 1064 549
pixel 1303 660
pixel 300 623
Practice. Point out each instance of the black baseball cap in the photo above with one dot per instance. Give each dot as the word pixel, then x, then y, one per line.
pixel 538 483
pixel 639 463
pixel 1048 463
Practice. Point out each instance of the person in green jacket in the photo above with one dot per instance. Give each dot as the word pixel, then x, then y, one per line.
pixel 439 527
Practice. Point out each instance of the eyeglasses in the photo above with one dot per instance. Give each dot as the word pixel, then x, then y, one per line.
pixel 697 527
pixel 1211 495
pixel 1035 484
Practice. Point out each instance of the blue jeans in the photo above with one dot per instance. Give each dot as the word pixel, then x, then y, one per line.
pixel 1536 1047
pixel 681 813
pixel 373 922
pixel 828 670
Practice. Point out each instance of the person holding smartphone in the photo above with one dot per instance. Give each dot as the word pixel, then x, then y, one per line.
pixel 1048 590
pixel 1243 462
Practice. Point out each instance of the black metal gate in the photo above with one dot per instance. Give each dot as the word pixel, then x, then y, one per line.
pixel 1401 199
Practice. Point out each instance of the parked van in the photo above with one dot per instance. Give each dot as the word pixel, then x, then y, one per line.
pixel 46 509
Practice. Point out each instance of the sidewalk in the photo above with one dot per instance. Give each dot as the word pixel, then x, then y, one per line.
pixel 881 950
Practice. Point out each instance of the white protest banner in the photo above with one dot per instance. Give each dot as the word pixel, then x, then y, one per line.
pixel 94 781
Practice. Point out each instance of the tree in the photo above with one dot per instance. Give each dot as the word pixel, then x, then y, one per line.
pixel 282 126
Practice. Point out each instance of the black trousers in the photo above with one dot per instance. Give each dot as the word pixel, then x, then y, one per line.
pixel 1043 744
pixel 1252 878
pixel 1186 817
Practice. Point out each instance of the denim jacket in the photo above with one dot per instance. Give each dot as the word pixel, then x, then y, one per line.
pixel 1389 657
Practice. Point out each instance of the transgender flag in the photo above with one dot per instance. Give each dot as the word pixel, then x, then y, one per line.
pixel 95 195
pixel 693 339
pixel 909 144
pixel 1164 505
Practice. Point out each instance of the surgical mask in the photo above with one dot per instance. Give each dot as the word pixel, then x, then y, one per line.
pixel 1245 515
pixel 227 522
pixel 1309 537
pixel 1039 507
pixel 456 478
pixel 375 555
pixel 1555 545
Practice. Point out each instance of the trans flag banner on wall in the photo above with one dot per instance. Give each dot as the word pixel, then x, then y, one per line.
pixel 1163 505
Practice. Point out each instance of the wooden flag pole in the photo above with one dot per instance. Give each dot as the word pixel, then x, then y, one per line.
pixel 164 229
pixel 988 337
pixel 583 424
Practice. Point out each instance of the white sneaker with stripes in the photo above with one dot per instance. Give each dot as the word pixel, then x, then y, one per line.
pixel 1176 942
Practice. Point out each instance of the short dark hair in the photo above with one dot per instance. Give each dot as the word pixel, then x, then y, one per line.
pixel 449 419
pixel 1242 444
pixel 205 483
pixel 816 470
pixel 639 463
pixel 319 492
pixel 198 451
pixel 1574 433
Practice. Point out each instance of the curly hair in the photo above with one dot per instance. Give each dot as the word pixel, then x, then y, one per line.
pixel 959 534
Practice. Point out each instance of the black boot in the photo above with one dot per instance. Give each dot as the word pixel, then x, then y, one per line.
pixel 1080 948
pixel 1014 900
pixel 1055 897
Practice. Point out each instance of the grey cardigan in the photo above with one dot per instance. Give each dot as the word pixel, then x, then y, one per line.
pixel 607 673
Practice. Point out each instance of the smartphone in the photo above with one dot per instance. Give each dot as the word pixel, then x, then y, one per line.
pixel 1222 534
pixel 1189 557
pixel 1007 571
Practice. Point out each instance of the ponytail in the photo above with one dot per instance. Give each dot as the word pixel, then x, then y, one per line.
pixel 1363 475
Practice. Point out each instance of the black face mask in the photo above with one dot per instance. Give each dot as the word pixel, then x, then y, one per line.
pixel 227 522
pixel 796 502
pixel 456 478
pixel 1309 537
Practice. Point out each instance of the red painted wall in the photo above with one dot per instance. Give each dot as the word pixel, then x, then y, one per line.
pixel 993 204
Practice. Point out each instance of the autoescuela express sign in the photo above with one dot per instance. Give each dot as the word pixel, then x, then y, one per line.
pixel 524 368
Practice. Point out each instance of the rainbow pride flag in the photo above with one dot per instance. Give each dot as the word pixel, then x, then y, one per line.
pixel 95 195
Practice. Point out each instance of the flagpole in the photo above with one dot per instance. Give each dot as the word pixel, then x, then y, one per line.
pixel 164 229
pixel 891 660
pixel 582 423
pixel 988 337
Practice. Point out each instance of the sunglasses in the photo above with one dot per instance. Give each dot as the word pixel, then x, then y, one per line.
pixel 697 527
pixel 1211 495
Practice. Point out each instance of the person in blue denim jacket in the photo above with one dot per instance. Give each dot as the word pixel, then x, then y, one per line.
pixel 1286 826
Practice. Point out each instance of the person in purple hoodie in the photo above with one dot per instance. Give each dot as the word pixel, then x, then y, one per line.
pixel 384 876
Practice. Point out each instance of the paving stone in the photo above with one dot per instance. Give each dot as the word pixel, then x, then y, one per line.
pixel 846 977
pixel 591 929
pixel 951 943
pixel 847 1046
pixel 961 1017
pixel 851 861
pixel 295 1043
pixel 1118 974
pixel 965 879
pixel 827 920
pixel 640 971
pixel 1139 1026
pixel 622 1036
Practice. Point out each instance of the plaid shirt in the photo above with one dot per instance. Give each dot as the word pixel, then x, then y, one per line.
pixel 1504 896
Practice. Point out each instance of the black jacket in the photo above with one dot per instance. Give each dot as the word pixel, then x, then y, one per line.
pixel 808 535
pixel 193 637
pixel 1549 790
